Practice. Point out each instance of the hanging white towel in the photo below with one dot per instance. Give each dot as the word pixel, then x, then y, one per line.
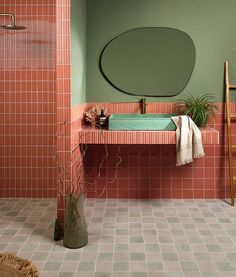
pixel 188 140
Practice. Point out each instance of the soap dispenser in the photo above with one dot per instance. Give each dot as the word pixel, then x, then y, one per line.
pixel 102 118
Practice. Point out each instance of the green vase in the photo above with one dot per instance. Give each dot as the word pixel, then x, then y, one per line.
pixel 75 229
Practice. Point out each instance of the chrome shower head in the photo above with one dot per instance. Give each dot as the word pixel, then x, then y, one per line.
pixel 13 25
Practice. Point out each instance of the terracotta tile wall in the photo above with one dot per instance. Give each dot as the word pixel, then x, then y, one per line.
pixel 69 156
pixel 76 158
pixel 63 102
pixel 149 171
pixel 28 100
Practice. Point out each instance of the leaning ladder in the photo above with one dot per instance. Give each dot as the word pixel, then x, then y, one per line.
pixel 229 116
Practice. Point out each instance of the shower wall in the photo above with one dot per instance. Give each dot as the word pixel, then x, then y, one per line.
pixel 28 100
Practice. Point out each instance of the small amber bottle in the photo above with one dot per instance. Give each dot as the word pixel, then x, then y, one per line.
pixel 102 119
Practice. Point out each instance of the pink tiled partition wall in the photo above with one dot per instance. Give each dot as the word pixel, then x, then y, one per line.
pixel 28 100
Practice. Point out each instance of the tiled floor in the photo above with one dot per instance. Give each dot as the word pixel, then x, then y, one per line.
pixel 126 238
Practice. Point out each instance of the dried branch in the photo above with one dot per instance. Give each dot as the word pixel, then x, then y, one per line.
pixel 76 179
pixel 91 117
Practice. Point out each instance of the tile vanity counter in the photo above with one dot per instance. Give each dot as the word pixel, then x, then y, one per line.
pixel 88 135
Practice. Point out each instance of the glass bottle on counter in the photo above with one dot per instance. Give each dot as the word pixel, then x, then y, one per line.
pixel 102 118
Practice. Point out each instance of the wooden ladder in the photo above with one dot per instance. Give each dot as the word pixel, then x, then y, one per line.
pixel 229 116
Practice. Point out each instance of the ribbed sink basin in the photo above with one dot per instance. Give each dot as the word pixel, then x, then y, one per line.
pixel 139 122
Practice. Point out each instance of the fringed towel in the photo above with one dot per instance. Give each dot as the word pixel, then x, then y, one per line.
pixel 188 140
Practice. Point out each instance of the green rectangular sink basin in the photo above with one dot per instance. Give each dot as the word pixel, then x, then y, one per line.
pixel 141 122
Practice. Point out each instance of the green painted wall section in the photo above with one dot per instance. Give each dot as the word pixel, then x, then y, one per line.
pixel 78 52
pixel 210 24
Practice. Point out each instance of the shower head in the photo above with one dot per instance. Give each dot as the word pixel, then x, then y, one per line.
pixel 13 25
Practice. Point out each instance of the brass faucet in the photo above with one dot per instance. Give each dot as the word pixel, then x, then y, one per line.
pixel 143 103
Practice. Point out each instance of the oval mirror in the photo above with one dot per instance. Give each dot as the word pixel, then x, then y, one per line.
pixel 151 61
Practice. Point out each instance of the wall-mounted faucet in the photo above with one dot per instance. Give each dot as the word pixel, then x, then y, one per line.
pixel 143 103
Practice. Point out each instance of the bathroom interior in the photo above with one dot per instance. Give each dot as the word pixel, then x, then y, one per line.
pixel 145 216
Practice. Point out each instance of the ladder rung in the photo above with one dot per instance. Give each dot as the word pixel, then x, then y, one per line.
pixel 233 86
pixel 233 115
pixel 233 146
pixel 234 178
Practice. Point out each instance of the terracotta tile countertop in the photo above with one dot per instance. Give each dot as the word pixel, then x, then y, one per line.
pixel 88 135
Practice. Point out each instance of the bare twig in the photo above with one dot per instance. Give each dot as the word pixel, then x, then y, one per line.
pixel 76 178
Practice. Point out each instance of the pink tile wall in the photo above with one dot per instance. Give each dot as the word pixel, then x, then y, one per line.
pixel 63 103
pixel 149 171
pixel 28 100
pixel 76 159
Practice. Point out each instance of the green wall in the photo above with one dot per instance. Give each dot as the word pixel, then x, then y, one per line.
pixel 78 52
pixel 210 23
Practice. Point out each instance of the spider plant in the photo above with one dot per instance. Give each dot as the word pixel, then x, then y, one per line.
pixel 198 108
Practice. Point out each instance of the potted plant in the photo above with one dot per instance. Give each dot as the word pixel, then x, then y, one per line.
pixel 199 108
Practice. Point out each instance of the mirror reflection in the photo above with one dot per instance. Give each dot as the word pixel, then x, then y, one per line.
pixel 151 61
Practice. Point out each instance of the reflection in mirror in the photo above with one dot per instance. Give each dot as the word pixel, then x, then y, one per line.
pixel 150 61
